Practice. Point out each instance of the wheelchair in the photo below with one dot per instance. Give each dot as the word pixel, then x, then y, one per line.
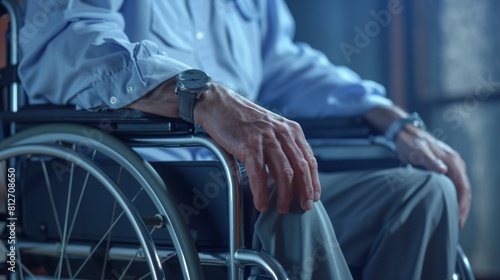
pixel 82 204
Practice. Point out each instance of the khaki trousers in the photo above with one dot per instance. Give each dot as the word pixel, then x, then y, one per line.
pixel 399 223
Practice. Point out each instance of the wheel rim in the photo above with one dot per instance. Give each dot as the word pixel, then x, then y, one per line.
pixel 140 170
pixel 68 258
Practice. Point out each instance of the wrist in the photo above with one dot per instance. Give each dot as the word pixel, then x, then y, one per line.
pixel 408 123
pixel 382 117
pixel 207 102
pixel 190 85
pixel 161 100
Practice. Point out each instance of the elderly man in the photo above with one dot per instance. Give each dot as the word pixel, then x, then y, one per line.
pixel 220 64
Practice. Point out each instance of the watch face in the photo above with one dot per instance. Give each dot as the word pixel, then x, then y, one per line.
pixel 193 80
pixel 416 120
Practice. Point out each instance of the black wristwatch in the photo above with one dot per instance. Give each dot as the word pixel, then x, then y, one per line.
pixel 189 86
pixel 397 125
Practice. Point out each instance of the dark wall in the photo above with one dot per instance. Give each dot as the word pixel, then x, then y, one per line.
pixel 338 28
pixel 441 58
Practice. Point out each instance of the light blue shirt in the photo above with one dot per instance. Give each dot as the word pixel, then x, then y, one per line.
pixel 100 54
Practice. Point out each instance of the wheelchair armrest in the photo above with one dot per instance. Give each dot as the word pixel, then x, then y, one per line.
pixel 123 122
pixel 336 127
pixel 348 143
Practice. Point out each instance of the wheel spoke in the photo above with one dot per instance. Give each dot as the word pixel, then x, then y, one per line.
pixel 135 256
pixel 105 236
pixel 77 208
pixel 98 244
pixel 25 269
pixel 75 213
pixel 66 217
pixel 19 261
pixel 22 267
pixel 71 261
pixel 108 243
pixel 162 261
pixel 51 197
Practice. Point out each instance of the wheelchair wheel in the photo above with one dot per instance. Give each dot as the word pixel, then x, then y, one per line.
pixel 463 268
pixel 48 248
pixel 119 253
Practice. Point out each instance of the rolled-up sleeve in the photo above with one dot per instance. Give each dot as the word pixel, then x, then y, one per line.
pixel 300 81
pixel 76 52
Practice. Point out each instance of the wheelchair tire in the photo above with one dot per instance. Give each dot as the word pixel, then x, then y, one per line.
pixel 63 251
pixel 102 143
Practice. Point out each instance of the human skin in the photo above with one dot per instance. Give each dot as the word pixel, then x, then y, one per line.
pixel 271 145
pixel 259 138
pixel 433 154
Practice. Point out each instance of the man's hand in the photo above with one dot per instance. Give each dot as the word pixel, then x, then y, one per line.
pixel 419 148
pixel 263 141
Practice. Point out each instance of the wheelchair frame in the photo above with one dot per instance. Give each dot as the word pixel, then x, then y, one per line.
pixel 237 257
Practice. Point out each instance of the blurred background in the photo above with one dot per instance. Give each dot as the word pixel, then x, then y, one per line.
pixel 440 58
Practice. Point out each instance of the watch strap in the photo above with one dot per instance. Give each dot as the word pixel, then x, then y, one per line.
pixel 187 101
pixel 396 126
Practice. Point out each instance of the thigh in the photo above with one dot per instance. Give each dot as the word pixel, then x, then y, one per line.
pixel 361 204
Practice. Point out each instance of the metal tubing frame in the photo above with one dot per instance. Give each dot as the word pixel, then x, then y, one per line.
pixel 267 262
pixel 13 10
pixel 105 148
pixel 130 211
pixel 234 193
pixel 237 255
pixel 235 206
pixel 115 252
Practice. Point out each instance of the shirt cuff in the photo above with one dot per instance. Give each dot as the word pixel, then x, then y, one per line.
pixel 128 84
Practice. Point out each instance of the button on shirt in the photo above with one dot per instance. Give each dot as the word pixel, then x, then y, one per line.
pixel 100 54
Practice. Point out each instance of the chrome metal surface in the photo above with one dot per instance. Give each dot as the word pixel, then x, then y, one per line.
pixel 13 10
pixel 265 261
pixel 155 191
pixel 235 207
pixel 128 208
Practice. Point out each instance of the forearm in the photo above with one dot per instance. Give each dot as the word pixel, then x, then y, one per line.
pixel 160 101
pixel 417 147
pixel 164 101
pixel 96 66
pixel 266 143
pixel 381 117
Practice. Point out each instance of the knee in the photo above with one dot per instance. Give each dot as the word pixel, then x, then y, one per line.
pixel 439 197
pixel 442 187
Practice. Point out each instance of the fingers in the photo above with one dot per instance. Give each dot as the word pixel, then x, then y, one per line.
pixel 457 172
pixel 430 160
pixel 281 170
pixel 418 149
pixel 291 164
pixel 257 175
pixel 305 171
pixel 313 166
pixel 263 141
pixel 435 155
pixel 462 185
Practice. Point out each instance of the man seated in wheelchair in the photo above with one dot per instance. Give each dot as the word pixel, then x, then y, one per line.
pixel 229 66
